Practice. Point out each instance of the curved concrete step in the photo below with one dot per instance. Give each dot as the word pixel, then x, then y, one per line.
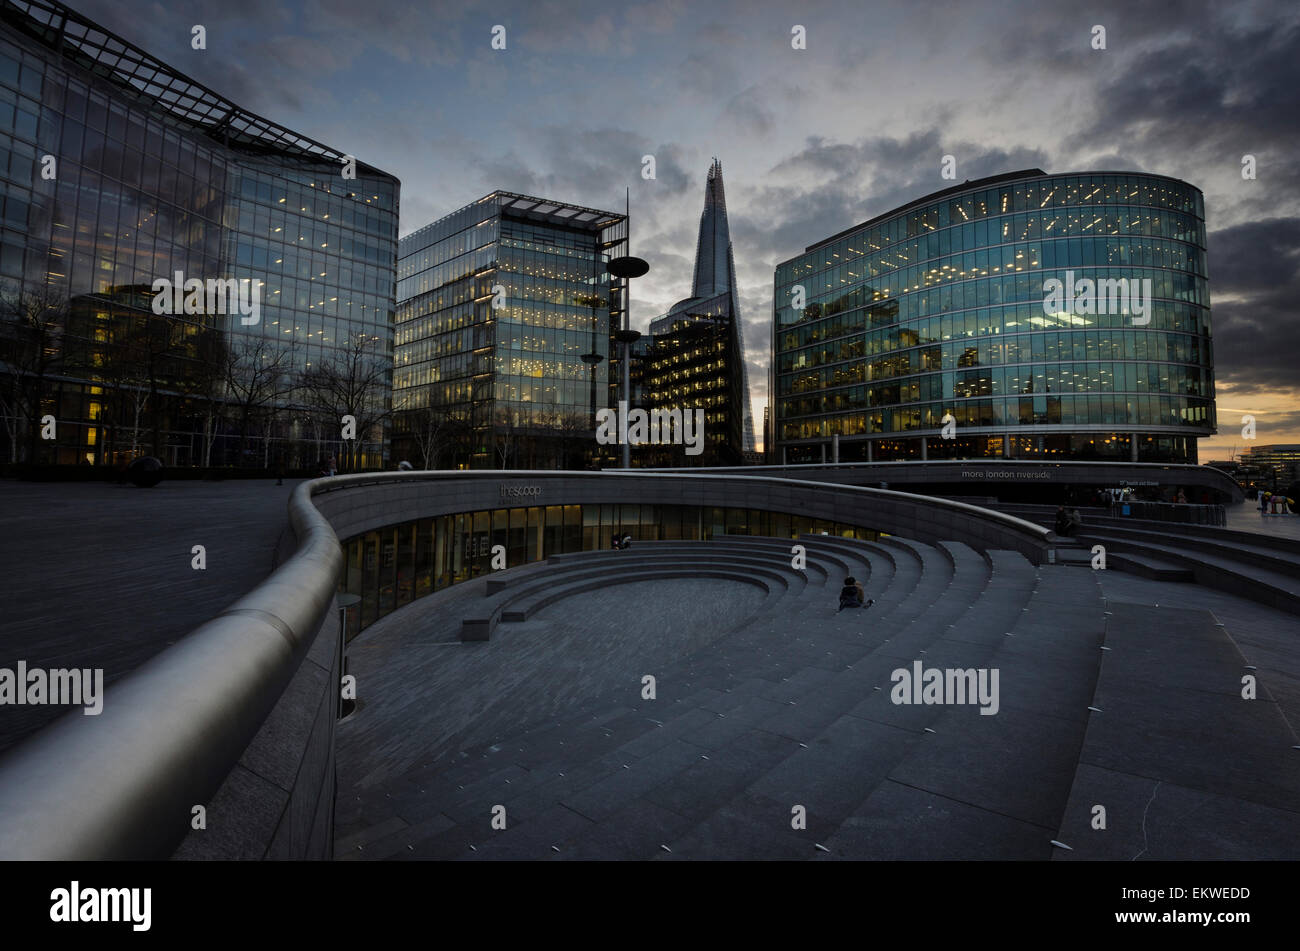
pixel 769 550
pixel 522 609
pixel 987 786
pixel 1185 767
pixel 1273 588
pixel 873 565
pixel 1262 556
pixel 500 598
pixel 711 772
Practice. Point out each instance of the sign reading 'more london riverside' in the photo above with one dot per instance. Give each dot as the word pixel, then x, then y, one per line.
pixel 509 491
pixel 995 472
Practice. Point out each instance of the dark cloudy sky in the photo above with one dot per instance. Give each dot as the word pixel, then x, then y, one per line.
pixel 812 141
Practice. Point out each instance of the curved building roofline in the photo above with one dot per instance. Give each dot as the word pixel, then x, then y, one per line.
pixel 976 185
pixel 108 56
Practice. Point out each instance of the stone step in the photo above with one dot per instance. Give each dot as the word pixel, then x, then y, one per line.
pixel 1184 766
pixel 758 714
pixel 771 581
pixel 873 565
pixel 849 743
pixel 1262 556
pixel 502 596
pixel 1273 588
pixel 988 786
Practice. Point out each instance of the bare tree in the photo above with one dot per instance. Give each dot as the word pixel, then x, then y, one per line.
pixel 11 408
pixel 32 325
pixel 257 380
pixel 159 349
pixel 434 429
pixel 505 434
pixel 206 383
pixel 124 373
pixel 574 431
pixel 144 360
pixel 355 382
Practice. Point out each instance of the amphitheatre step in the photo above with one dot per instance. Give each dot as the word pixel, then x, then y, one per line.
pixel 1261 567
pixel 782 547
pixel 704 760
pixel 479 624
pixel 844 753
pixel 988 786
pixel 521 609
pixel 768 549
pixel 925 574
pixel 969 577
pixel 1185 767
pixel 1273 588
pixel 1157 569
pixel 1102 519
pixel 1147 566
pixel 874 566
pixel 1274 559
pixel 784 711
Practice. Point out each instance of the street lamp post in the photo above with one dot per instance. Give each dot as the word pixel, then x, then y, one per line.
pixel 593 358
pixel 626 268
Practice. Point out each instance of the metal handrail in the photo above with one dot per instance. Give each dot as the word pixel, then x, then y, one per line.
pixel 122 785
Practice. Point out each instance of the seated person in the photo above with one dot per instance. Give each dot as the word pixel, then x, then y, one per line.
pixel 1062 524
pixel 852 595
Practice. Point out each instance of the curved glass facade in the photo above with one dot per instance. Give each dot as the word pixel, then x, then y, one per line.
pixel 108 185
pixel 943 309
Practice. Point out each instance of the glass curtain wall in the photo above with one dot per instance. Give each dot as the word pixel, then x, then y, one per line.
pixel 390 567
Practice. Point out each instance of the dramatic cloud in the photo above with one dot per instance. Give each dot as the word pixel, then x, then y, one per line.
pixel 1255 273
pixel 812 141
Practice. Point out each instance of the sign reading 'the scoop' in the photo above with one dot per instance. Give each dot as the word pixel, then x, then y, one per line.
pixel 514 491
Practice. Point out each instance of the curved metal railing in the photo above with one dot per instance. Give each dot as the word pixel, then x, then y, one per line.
pixel 121 785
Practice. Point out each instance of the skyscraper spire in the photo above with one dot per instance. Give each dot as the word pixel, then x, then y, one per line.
pixel 715 274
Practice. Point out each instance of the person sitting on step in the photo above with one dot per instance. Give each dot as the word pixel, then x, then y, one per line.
pixel 852 595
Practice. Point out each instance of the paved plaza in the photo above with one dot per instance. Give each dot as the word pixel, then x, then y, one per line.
pixel 771 732
pixel 768 703
pixel 99 575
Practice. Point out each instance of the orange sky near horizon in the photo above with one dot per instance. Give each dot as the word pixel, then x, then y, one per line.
pixel 1274 413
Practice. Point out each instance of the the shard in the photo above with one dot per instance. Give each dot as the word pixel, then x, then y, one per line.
pixel 714 295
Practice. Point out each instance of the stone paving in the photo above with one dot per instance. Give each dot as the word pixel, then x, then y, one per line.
pixel 763 703
pixel 99 575
pixel 789 708
pixel 1246 518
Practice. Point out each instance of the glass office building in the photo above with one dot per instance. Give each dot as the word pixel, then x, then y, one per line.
pixel 504 320
pixel 117 171
pixel 1281 461
pixel 690 361
pixel 940 318
pixel 695 357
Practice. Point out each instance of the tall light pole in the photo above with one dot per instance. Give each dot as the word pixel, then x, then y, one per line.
pixel 626 268
pixel 593 358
